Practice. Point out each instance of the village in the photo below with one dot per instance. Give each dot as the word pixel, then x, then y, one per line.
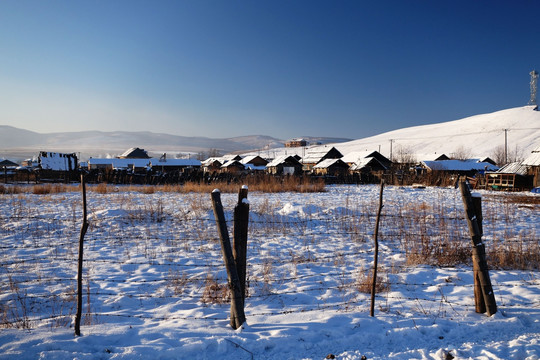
pixel 300 158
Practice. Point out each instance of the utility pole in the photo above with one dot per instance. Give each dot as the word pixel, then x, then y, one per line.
pixel 505 146
pixel 391 141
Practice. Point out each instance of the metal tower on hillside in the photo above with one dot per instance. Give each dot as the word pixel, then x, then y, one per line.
pixel 534 83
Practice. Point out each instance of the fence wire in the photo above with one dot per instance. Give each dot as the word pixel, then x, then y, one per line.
pixel 136 263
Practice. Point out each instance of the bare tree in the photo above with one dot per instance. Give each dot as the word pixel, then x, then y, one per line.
pixel 462 153
pixel 405 155
pixel 499 155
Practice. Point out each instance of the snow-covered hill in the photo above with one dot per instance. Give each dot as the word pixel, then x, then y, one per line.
pixel 475 136
pixel 479 135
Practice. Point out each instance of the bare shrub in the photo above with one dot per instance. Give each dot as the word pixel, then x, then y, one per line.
pixel 215 293
pixel 364 283
pixel 101 188
pixel 177 281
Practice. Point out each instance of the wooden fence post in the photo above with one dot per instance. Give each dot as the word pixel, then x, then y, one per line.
pixel 237 305
pixel 479 301
pixel 480 268
pixel 240 234
pixel 84 227
pixel 376 252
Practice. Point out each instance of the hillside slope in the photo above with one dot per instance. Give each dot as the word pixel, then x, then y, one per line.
pixel 475 136
pixel 478 135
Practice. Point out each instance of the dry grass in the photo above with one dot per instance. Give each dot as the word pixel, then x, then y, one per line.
pixel 215 293
pixel 364 282
pixel 56 188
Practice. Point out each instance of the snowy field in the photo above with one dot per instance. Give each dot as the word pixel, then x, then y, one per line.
pixel 155 283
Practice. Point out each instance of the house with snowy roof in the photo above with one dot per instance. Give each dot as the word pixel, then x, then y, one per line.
pixel 317 154
pixel 134 153
pixel 233 167
pixel 512 176
pixel 360 159
pixel 532 162
pixel 468 167
pixel 254 163
pixel 284 165
pixel 331 167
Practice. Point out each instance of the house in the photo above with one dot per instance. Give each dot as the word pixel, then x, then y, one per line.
pixel 8 164
pixel 461 167
pixel 284 165
pixel 331 167
pixel 134 153
pixel 57 161
pixel 141 165
pixel 212 164
pixel 254 163
pixel 367 165
pixel 317 154
pixel 532 162
pixel 359 157
pixel 296 143
pixel 432 157
pixel 512 176
pixel 233 167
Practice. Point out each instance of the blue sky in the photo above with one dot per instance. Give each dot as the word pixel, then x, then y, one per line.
pixel 280 68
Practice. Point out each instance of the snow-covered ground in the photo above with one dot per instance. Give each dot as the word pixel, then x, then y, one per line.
pixel 154 277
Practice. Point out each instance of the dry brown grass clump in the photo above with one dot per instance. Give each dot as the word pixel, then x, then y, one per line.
pixel 215 293
pixel 44 189
pixel 11 189
pixel 364 283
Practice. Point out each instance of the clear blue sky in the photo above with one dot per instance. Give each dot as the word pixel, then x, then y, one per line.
pixel 280 68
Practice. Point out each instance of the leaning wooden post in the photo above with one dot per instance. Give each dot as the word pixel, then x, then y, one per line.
pixel 478 253
pixel 237 305
pixel 84 227
pixel 376 252
pixel 240 234
pixel 479 301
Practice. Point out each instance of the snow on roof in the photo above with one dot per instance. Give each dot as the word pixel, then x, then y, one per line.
pixel 255 167
pixel 356 156
pixel 513 168
pixel 326 163
pixel 231 163
pixel 314 155
pixel 533 159
pixel 460 165
pixel 431 157
pixel 281 159
pixel 361 163
pixel 248 158
pixel 210 161
pixel 135 152
pixel 140 163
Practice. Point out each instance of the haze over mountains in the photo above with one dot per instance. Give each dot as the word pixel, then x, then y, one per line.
pixel 20 143
pixel 479 135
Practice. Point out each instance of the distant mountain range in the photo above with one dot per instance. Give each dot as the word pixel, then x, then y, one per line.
pixel 19 144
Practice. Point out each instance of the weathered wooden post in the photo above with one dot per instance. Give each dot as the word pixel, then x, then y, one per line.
pixel 240 234
pixel 376 252
pixel 84 227
pixel 237 304
pixel 480 304
pixel 484 296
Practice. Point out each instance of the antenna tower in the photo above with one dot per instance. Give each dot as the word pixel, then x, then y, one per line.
pixel 534 83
